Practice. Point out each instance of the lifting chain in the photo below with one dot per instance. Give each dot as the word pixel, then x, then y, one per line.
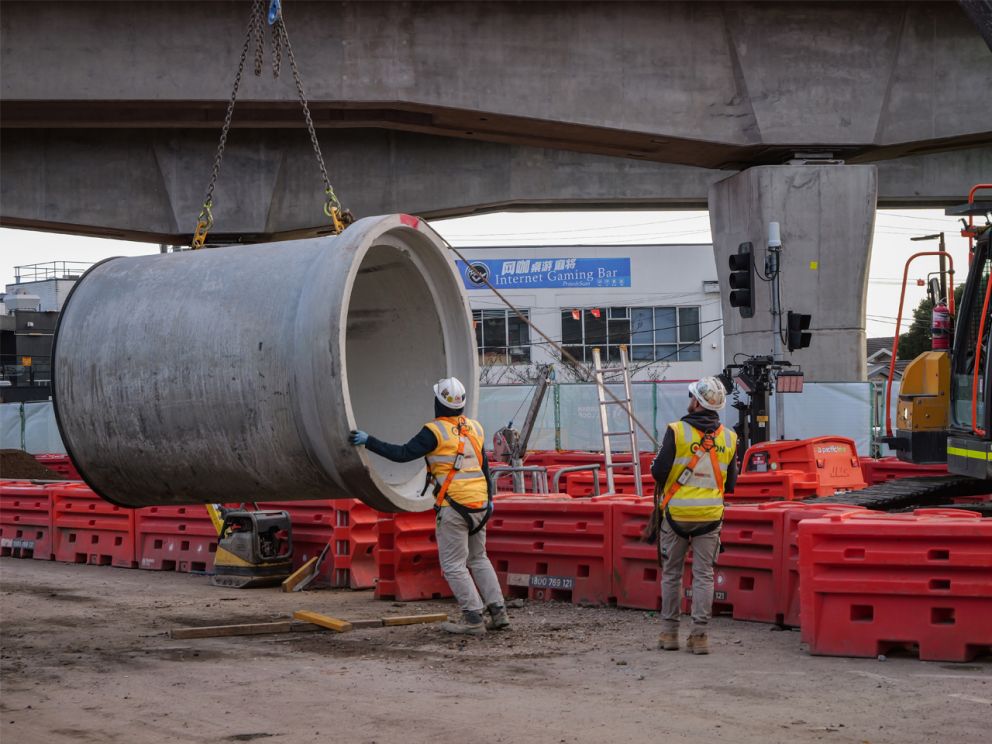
pixel 340 218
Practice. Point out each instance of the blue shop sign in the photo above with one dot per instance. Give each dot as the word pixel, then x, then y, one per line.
pixel 545 273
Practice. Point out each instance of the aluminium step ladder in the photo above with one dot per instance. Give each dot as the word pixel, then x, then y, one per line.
pixel 631 431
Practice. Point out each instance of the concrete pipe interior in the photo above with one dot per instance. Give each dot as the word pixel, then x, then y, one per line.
pixel 394 353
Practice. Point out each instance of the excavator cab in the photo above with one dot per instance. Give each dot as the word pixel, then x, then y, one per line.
pixel 969 443
pixel 942 414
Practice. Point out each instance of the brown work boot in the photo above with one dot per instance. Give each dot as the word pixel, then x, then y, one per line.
pixel 698 642
pixel 498 618
pixel 470 624
pixel 668 640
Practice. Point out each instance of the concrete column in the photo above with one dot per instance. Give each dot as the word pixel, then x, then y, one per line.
pixel 827 216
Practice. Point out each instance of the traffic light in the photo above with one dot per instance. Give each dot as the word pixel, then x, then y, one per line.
pixel 742 280
pixel 799 337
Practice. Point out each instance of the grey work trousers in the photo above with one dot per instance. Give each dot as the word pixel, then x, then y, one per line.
pixel 460 554
pixel 705 549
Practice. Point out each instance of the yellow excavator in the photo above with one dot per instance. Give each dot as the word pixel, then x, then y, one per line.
pixel 943 413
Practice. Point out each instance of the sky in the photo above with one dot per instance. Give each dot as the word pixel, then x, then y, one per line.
pixel 891 246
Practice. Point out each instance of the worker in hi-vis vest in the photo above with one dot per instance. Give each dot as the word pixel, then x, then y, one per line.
pixel 458 469
pixel 693 469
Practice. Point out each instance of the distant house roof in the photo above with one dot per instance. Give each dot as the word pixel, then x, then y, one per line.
pixel 879 343
pixel 880 369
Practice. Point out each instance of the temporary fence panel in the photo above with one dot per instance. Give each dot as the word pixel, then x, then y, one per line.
pixel 501 404
pixel 830 408
pixel 11 426
pixel 579 417
pixel 41 434
pixel 569 417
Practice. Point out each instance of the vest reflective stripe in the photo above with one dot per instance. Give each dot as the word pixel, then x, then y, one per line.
pixel 676 501
pixel 468 486
pixel 700 499
pixel 440 458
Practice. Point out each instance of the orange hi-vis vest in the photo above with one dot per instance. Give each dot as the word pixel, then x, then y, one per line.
pixel 458 438
pixel 694 488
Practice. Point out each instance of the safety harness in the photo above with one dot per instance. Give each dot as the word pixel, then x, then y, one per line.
pixel 708 445
pixel 441 489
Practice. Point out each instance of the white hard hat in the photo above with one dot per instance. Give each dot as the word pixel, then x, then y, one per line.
pixel 710 393
pixel 450 392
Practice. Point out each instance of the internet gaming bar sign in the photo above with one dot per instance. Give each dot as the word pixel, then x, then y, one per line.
pixel 545 273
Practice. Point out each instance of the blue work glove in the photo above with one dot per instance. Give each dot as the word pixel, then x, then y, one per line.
pixel 358 437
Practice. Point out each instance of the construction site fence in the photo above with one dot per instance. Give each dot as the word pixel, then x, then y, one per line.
pixel 569 415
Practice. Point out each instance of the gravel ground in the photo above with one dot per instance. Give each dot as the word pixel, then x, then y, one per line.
pixel 86 657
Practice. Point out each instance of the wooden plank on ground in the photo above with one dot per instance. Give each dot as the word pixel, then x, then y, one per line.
pixel 360 624
pixel 290 582
pixel 216 631
pixel 324 621
pixel 439 617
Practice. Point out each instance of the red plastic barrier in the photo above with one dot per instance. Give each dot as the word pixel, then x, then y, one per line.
pixel 25 520
pixel 982 499
pixel 636 574
pixel 553 549
pixel 788 576
pixel 759 488
pixel 746 577
pixel 313 525
pixel 548 458
pixel 820 466
pixel 873 582
pixel 579 485
pixel 174 538
pixel 406 556
pixel 87 529
pixel 354 542
pixel 889 468
pixel 61 464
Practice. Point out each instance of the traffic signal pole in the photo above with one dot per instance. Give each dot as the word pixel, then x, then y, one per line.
pixel 772 270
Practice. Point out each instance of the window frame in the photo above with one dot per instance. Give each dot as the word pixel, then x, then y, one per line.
pixel 687 349
pixel 486 351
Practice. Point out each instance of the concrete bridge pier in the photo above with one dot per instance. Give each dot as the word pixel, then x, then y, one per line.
pixel 827 217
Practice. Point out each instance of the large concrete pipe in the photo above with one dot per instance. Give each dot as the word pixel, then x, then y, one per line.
pixel 235 374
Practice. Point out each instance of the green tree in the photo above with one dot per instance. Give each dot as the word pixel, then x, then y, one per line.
pixel 917 339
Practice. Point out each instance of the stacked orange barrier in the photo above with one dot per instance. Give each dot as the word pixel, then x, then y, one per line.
pixel 88 529
pixel 175 538
pixel 355 539
pixel 25 521
pixel 874 582
pixel 406 555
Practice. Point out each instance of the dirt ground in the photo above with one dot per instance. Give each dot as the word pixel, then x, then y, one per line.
pixel 86 657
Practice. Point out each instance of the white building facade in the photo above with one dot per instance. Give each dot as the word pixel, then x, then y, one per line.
pixel 661 301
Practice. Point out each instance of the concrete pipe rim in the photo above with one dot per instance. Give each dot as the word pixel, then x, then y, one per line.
pixel 432 263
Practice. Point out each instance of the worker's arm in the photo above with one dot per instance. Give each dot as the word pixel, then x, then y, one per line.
pixel 485 472
pixel 422 444
pixel 661 466
pixel 731 481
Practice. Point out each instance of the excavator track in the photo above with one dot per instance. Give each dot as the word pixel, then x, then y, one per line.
pixel 903 493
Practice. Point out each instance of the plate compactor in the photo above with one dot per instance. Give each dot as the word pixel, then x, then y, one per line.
pixel 254 548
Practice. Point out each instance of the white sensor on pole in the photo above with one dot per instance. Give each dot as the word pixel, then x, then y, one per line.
pixel 774 235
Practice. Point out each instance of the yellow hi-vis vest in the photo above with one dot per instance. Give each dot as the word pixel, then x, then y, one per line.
pixel 700 498
pixel 468 486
